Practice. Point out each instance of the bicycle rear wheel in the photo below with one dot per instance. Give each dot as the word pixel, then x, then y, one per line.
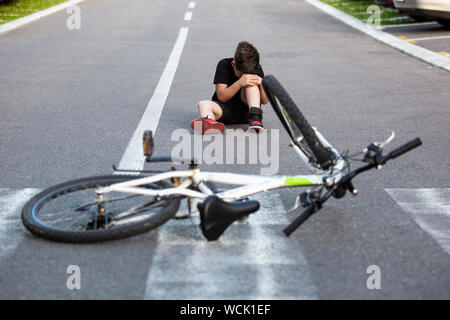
pixel 68 212
pixel 295 123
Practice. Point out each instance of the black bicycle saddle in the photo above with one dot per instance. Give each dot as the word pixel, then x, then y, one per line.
pixel 216 215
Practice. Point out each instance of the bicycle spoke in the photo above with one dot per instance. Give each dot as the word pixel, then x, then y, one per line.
pixel 75 220
pixel 87 205
pixel 137 209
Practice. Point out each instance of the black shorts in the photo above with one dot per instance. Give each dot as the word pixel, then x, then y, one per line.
pixel 233 114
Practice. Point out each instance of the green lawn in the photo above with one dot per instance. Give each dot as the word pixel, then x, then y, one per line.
pixel 358 9
pixel 14 9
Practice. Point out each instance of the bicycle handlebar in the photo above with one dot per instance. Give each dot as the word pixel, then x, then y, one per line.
pixel 312 208
pixel 316 205
pixel 402 149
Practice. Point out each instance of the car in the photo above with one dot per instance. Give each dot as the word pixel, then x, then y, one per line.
pixel 438 10
pixel 386 3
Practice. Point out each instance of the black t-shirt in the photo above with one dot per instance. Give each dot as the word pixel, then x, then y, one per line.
pixel 225 74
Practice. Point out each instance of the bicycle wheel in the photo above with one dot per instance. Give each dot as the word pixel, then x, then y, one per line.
pixel 296 124
pixel 68 212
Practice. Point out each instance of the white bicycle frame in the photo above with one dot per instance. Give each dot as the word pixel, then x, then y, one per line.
pixel 248 184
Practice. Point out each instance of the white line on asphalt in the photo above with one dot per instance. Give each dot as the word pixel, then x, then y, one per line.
pixel 191 5
pixel 430 209
pixel 406 25
pixel 133 157
pixel 429 38
pixel 36 16
pixel 11 228
pixel 384 37
pixel 188 16
pixel 252 260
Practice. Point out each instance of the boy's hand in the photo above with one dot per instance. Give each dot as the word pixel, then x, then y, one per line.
pixel 249 80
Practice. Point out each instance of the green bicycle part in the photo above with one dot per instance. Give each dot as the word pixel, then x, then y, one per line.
pixel 293 181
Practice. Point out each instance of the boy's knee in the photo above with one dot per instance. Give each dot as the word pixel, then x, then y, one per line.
pixel 252 89
pixel 203 104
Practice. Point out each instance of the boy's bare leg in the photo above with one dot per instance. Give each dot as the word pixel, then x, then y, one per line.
pixel 209 109
pixel 251 96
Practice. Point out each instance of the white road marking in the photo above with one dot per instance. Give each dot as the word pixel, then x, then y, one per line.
pixel 250 260
pixel 406 25
pixel 133 157
pixel 191 5
pixel 430 208
pixel 188 16
pixel 430 38
pixel 36 16
pixel 11 228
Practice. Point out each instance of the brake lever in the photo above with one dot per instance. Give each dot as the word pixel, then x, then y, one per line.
pixel 373 153
pixel 387 141
pixel 381 145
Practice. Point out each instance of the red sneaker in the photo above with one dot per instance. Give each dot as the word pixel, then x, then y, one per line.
pixel 256 125
pixel 205 125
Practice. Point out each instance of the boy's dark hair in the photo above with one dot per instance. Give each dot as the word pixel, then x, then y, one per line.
pixel 246 58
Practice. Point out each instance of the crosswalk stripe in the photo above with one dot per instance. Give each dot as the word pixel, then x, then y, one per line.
pixel 247 262
pixel 430 208
pixel 11 228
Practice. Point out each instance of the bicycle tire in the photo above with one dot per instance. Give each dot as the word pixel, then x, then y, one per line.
pixel 294 122
pixel 40 229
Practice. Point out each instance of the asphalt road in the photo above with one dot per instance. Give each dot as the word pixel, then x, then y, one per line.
pixel 70 100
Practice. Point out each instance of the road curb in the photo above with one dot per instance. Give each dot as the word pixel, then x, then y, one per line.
pixel 36 16
pixel 384 37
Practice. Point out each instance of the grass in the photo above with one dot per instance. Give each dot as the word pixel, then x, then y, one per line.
pixel 358 9
pixel 14 9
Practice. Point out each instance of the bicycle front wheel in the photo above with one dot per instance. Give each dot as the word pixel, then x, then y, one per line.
pixel 296 124
pixel 69 212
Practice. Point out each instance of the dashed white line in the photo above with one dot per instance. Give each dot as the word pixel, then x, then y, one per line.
pixel 133 158
pixel 188 16
pixel 191 5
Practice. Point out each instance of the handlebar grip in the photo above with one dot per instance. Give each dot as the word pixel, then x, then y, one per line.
pixel 299 220
pixel 403 149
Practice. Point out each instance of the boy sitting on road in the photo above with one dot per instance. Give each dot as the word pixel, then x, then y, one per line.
pixel 239 93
